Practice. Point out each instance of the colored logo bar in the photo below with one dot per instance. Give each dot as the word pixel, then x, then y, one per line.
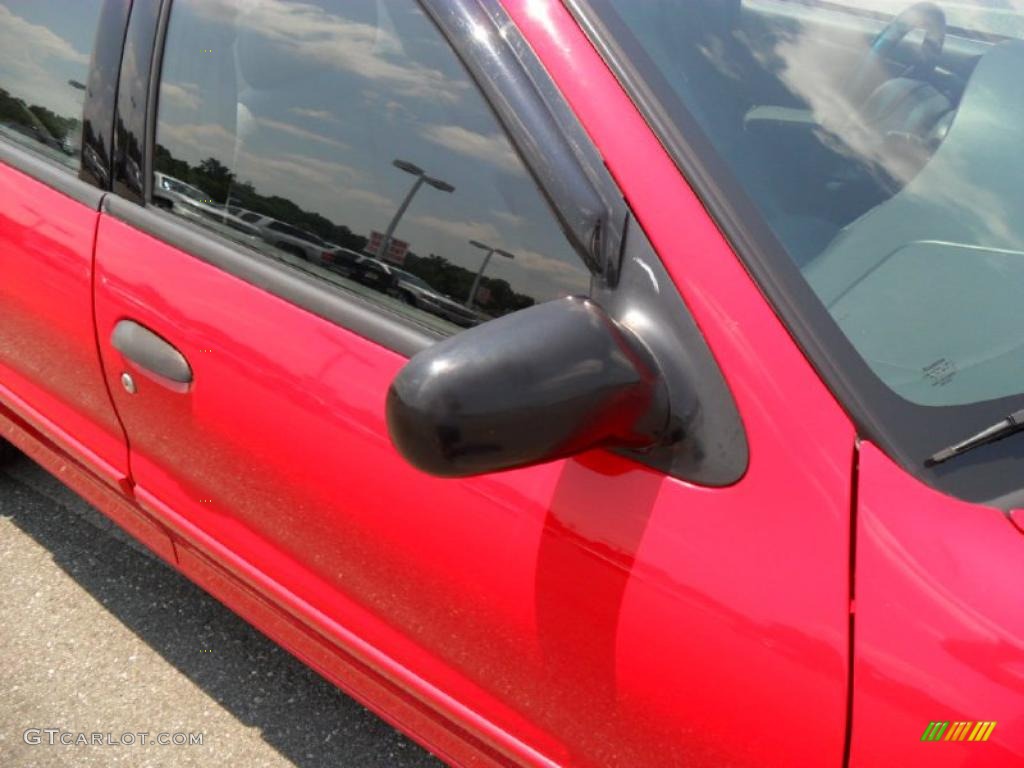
pixel 959 730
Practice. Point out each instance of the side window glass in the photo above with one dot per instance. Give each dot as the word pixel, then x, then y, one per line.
pixel 345 138
pixel 44 66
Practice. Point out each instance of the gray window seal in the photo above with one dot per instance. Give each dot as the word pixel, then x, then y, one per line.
pixel 358 315
pixel 52 175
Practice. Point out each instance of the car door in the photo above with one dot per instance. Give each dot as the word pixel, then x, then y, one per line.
pixel 49 364
pixel 609 609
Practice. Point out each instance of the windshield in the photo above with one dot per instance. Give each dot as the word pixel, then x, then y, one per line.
pixel 881 142
pixel 864 159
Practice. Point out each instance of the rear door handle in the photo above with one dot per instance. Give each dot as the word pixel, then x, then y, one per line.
pixel 151 353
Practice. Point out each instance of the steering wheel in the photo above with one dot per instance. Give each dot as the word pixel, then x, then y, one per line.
pixel 927 17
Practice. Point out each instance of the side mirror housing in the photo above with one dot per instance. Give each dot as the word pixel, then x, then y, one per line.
pixel 537 385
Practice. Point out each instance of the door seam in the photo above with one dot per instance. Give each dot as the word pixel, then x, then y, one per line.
pixel 852 582
pixel 128 485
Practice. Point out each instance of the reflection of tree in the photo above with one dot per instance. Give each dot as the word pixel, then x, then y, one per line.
pixel 59 127
pixel 32 118
pixel 218 181
pixel 455 281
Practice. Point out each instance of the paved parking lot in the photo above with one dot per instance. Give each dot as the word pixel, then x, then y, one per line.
pixel 97 636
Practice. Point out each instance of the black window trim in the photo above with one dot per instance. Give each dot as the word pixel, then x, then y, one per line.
pixel 557 151
pixel 136 100
pixel 101 93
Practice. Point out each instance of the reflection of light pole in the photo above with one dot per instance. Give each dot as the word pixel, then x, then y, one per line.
pixel 421 179
pixel 491 250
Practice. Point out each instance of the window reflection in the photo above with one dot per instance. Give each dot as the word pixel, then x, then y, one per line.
pixel 346 139
pixel 44 65
pixel 880 141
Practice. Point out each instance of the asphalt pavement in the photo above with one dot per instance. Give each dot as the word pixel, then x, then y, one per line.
pixel 99 637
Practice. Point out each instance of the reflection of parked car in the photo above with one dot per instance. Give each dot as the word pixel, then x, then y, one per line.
pixel 288 238
pixel 181 197
pixel 36 131
pixel 367 270
pixel 418 292
pixel 342 260
pixel 375 274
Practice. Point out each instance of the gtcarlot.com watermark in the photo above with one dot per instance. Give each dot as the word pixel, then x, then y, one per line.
pixel 58 736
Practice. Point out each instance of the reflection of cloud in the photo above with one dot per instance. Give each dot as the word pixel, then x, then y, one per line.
pixel 26 68
pixel 461 230
pixel 509 218
pixel 315 114
pixel 548 276
pixel 213 140
pixel 718 55
pixel 277 174
pixel 808 66
pixel 365 196
pixel 271 174
pixel 490 148
pixel 21 39
pixel 300 133
pixel 182 95
pixel 311 182
pixel 853 123
pixel 381 104
pixel 202 139
pixel 986 214
pixel 333 189
pixel 306 32
pixel 569 276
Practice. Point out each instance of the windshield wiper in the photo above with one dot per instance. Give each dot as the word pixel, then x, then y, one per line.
pixel 1012 423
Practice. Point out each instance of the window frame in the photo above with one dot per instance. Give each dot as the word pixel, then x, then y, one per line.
pixel 566 167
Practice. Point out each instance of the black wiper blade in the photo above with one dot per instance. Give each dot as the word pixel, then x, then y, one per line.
pixel 1012 423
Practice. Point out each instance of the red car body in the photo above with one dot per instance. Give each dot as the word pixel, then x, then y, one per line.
pixel 592 611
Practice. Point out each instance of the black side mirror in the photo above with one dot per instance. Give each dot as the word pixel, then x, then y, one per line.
pixel 537 385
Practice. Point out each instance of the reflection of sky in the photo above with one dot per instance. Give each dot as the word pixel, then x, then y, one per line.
pixel 42 46
pixel 327 94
